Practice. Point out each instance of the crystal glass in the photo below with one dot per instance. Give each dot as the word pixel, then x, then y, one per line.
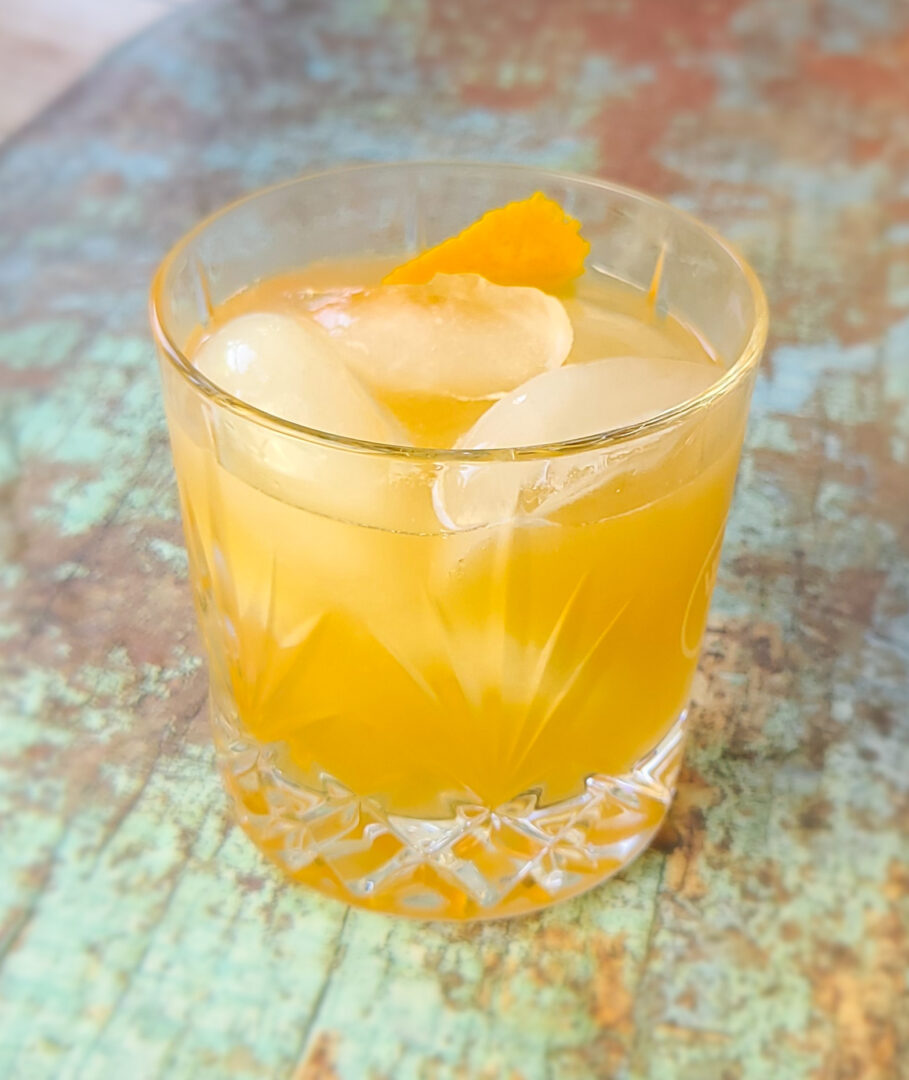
pixel 440 720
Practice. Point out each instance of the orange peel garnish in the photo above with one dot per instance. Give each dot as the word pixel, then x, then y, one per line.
pixel 531 242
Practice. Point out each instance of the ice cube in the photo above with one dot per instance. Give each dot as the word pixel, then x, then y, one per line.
pixel 459 335
pixel 290 367
pixel 571 402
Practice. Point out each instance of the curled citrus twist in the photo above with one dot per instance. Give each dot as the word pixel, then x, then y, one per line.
pixel 532 242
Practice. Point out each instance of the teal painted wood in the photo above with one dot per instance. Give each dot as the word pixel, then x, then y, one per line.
pixel 766 934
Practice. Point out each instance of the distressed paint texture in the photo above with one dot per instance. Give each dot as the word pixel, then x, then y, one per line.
pixel 765 936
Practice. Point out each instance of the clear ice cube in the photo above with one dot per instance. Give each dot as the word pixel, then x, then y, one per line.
pixel 459 335
pixel 568 403
pixel 290 367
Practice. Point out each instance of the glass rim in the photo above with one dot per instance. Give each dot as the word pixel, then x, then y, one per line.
pixel 747 358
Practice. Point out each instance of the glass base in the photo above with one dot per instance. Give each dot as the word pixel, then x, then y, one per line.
pixel 479 863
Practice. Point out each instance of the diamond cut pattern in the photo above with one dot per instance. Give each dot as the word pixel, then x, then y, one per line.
pixel 481 853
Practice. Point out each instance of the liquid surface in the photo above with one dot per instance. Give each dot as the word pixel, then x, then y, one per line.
pixel 607 319
pixel 437 638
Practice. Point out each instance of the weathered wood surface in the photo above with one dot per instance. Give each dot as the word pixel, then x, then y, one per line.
pixel 766 935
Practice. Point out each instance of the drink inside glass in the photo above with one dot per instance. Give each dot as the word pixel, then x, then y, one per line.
pixel 454 513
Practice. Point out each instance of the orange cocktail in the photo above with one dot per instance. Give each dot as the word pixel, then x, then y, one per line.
pixel 453 538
